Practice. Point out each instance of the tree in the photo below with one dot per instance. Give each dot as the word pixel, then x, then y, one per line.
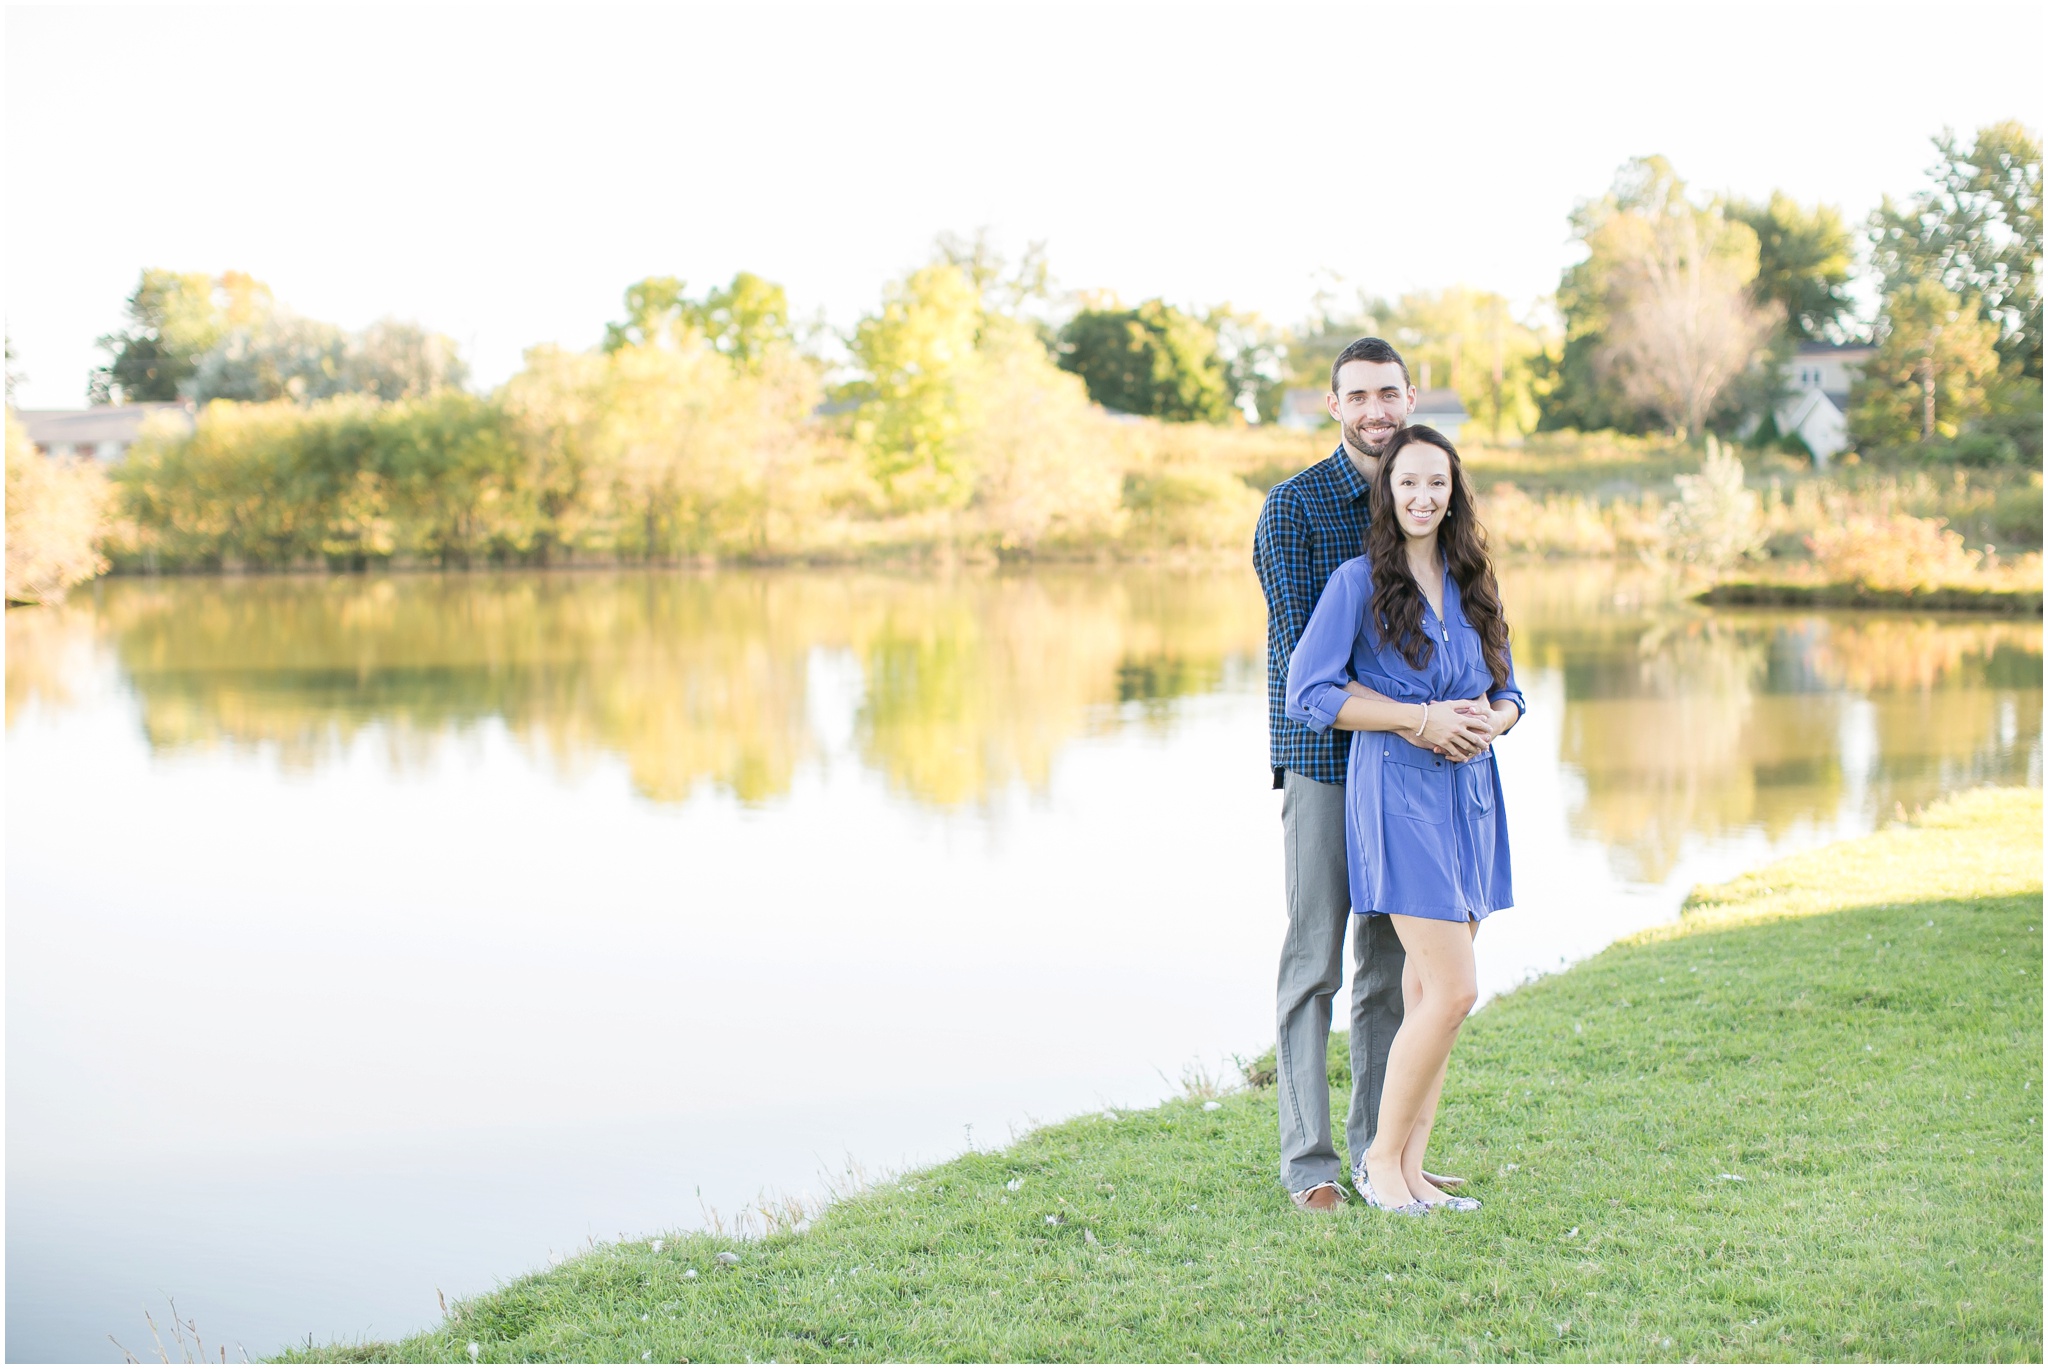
pixel 1013 291
pixel 1977 232
pixel 1337 318
pixel 920 400
pixel 288 356
pixel 1934 359
pixel 656 309
pixel 175 318
pixel 200 337
pixel 1470 341
pixel 742 321
pixel 745 319
pixel 1153 360
pixel 1578 391
pixel 1253 355
pixel 1805 258
pixel 1681 322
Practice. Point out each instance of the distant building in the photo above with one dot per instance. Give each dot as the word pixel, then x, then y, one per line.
pixel 103 433
pixel 1303 410
pixel 1442 410
pixel 1816 408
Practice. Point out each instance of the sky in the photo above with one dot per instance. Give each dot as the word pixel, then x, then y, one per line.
pixel 502 174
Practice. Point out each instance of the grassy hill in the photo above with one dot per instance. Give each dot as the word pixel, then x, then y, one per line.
pixel 1802 1123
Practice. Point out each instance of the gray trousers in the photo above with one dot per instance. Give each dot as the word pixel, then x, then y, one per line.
pixel 1311 970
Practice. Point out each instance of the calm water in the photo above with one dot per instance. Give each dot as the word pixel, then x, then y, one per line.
pixel 369 938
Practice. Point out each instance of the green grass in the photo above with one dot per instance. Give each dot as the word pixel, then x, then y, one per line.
pixel 1802 1123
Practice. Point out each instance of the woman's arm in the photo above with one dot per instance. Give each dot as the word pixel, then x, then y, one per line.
pixel 1438 725
pixel 1319 668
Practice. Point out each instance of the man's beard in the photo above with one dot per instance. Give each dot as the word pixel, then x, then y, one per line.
pixel 1354 438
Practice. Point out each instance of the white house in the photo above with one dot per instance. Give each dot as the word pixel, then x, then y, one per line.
pixel 103 433
pixel 1303 409
pixel 1442 410
pixel 1816 408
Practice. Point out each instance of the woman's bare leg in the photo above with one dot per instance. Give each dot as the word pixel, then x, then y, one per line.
pixel 1418 1140
pixel 1440 957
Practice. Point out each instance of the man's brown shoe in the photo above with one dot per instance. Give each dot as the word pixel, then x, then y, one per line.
pixel 1320 1198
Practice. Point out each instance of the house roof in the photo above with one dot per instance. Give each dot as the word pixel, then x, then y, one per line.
pixel 1439 403
pixel 101 423
pixel 1846 350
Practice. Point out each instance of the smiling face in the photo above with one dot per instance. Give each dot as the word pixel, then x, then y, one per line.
pixel 1421 480
pixel 1372 402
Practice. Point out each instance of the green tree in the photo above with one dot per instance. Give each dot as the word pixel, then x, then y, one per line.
pixel 175 318
pixel 1470 341
pixel 1154 360
pixel 742 321
pixel 1805 258
pixel 656 311
pixel 1336 319
pixel 286 356
pixel 1253 354
pixel 1977 231
pixel 1013 291
pixel 1935 356
pixel 919 400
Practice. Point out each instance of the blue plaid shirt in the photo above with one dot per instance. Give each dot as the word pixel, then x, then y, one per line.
pixel 1313 522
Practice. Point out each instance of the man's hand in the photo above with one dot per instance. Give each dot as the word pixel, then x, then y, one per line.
pixel 1454 730
pixel 1480 710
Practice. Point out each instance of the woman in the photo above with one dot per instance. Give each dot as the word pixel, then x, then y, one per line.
pixel 1425 834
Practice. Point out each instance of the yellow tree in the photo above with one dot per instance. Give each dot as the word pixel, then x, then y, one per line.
pixel 920 399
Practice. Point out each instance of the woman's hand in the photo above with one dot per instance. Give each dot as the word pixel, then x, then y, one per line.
pixel 1455 729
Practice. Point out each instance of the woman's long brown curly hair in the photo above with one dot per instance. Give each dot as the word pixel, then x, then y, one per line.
pixel 1397 600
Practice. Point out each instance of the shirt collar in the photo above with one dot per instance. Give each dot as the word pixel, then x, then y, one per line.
pixel 1352 483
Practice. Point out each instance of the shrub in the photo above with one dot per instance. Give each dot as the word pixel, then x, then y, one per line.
pixel 56 517
pixel 1897 551
pixel 1716 520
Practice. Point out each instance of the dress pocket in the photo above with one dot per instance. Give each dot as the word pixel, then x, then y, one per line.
pixel 1418 793
pixel 1475 785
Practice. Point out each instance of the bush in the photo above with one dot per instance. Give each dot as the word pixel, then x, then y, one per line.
pixel 1897 551
pixel 1189 508
pixel 56 518
pixel 1716 520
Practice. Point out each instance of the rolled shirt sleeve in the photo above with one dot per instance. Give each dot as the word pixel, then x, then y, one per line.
pixel 1320 665
pixel 1511 690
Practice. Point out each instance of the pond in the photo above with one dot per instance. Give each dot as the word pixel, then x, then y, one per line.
pixel 372 940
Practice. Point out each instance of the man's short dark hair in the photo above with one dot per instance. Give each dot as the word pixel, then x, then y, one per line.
pixel 1367 349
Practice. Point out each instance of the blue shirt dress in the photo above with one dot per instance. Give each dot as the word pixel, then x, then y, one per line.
pixel 1424 836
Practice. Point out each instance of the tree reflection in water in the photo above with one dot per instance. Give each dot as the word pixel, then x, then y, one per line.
pixel 1679 722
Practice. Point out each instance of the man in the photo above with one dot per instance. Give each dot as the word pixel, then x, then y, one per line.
pixel 1312 523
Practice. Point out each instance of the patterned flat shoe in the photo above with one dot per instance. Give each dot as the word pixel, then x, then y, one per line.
pixel 1452 1203
pixel 1372 1199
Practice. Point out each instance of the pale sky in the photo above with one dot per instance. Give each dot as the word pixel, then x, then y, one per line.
pixel 500 175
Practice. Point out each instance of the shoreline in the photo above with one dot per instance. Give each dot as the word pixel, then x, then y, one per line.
pixel 2010 603
pixel 1160 1233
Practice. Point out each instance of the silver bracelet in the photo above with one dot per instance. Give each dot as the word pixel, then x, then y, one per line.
pixel 1425 720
